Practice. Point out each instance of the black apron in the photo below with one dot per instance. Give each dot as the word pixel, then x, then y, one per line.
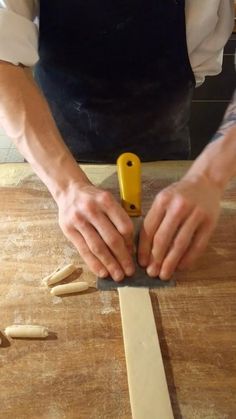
pixel 117 76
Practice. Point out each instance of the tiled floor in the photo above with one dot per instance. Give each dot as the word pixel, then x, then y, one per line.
pixel 8 152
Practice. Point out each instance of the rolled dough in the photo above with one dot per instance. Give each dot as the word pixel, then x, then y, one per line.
pixel 59 274
pixel 69 288
pixel 149 396
pixel 26 331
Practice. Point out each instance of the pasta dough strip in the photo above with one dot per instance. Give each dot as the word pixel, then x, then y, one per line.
pixel 148 389
pixel 69 288
pixel 26 331
pixel 59 275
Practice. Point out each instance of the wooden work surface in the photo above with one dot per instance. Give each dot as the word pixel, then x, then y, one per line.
pixel 80 371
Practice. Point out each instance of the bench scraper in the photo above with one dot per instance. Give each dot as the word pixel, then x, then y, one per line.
pixel 129 177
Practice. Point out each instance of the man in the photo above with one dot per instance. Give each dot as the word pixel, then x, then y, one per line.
pixel 117 77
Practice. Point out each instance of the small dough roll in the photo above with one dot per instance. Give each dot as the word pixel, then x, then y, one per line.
pixel 59 274
pixel 26 331
pixel 69 288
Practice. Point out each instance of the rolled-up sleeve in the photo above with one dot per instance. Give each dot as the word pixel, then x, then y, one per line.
pixel 18 32
pixel 209 25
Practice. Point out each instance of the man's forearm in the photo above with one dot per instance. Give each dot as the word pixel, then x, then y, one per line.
pixel 229 120
pixel 27 120
pixel 218 159
pixel 90 217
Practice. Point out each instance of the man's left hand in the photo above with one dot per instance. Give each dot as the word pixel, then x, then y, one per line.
pixel 177 228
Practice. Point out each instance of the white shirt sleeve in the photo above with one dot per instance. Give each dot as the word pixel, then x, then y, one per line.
pixel 209 26
pixel 18 32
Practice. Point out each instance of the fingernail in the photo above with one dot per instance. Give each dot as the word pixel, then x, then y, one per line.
pixel 129 270
pixel 152 271
pixel 118 275
pixel 102 273
pixel 164 275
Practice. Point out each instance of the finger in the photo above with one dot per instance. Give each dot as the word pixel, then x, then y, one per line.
pixel 181 243
pixel 119 218
pixel 151 223
pixel 115 243
pixel 90 259
pixel 165 235
pixel 197 247
pixel 99 249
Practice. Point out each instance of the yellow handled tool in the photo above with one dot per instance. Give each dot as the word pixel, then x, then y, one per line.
pixel 129 176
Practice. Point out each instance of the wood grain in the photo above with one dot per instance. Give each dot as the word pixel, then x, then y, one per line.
pixel 79 371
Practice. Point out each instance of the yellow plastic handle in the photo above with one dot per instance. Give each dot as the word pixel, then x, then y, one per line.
pixel 129 176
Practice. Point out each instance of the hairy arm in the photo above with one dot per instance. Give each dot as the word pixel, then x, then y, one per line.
pixel 218 160
pixel 229 120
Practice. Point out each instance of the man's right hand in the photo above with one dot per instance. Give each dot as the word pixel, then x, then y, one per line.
pixel 99 228
pixel 91 218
